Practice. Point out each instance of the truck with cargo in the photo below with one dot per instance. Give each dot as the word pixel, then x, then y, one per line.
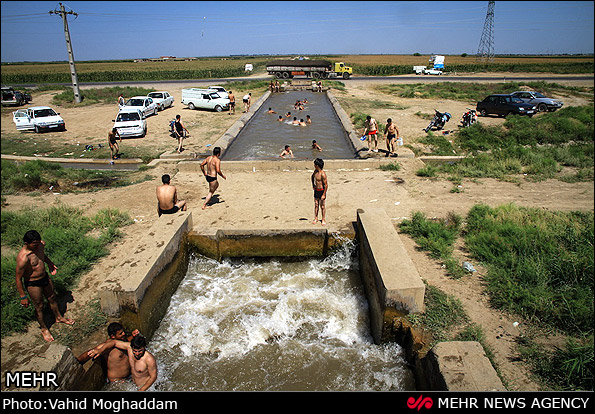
pixel 316 69
pixel 437 61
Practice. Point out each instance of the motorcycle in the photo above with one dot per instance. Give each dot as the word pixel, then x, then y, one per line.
pixel 469 118
pixel 439 120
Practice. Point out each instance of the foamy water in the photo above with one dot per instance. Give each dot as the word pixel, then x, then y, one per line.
pixel 248 325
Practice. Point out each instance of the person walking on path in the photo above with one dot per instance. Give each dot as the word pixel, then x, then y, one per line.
pixel 392 135
pixel 371 129
pixel 211 167
pixel 247 100
pixel 181 132
pixel 32 276
pixel 120 101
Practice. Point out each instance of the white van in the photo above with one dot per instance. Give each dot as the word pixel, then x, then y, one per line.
pixel 204 98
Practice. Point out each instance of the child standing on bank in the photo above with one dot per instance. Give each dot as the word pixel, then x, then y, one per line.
pixel 320 186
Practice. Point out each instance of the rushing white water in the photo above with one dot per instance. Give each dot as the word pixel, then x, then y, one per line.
pixel 249 325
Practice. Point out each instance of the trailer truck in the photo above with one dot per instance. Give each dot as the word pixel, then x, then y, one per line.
pixel 316 69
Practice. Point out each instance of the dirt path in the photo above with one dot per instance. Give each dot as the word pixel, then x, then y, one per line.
pixel 283 199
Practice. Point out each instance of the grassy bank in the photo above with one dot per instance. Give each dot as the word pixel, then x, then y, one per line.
pixel 554 145
pixel 42 176
pixel 539 266
pixel 73 241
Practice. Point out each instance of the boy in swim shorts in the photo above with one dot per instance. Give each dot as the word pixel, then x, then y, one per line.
pixel 210 167
pixel 320 187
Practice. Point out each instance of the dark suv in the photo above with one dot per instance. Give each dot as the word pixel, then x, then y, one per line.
pixel 503 105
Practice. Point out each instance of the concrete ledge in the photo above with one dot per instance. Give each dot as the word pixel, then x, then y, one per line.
pixel 137 290
pixel 72 160
pixel 357 145
pixel 263 243
pixel 390 278
pixel 460 366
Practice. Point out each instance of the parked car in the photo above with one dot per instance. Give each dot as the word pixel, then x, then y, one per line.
pixel 503 105
pixel 38 118
pixel 162 99
pixel 542 102
pixel 204 98
pixel 12 97
pixel 220 90
pixel 143 103
pixel 130 123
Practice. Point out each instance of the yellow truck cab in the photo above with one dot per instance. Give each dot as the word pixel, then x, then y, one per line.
pixel 342 70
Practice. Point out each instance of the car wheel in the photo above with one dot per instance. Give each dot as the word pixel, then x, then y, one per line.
pixel 191 106
pixel 542 107
pixel 218 108
pixel 483 112
pixel 37 129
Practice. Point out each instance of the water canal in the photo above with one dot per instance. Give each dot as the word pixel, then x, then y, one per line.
pixel 264 137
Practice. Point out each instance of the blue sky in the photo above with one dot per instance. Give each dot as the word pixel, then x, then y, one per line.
pixel 132 29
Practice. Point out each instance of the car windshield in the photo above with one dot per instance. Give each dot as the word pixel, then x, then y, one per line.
pixel 156 95
pixel 127 116
pixel 214 95
pixel 538 95
pixel 42 113
pixel 135 102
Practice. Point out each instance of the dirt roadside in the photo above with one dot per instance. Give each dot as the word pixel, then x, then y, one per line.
pixel 282 199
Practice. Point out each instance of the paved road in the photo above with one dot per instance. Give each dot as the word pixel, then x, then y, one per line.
pixel 425 78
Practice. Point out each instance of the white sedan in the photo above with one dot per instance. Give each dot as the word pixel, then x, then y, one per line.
pixel 162 99
pixel 130 123
pixel 142 103
pixel 38 118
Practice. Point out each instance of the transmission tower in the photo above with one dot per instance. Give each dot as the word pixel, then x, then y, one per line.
pixel 485 51
pixel 75 83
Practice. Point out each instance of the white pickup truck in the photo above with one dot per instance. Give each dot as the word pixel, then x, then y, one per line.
pixel 38 118
pixel 204 98
pixel 423 70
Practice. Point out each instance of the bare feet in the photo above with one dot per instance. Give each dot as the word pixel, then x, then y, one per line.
pixel 323 222
pixel 315 221
pixel 47 335
pixel 67 321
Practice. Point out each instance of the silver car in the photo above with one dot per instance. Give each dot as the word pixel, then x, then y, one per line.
pixel 542 102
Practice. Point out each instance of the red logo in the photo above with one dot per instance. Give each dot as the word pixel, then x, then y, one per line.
pixel 420 403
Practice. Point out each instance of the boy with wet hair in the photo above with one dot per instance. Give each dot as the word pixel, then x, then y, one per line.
pixel 320 186
pixel 211 167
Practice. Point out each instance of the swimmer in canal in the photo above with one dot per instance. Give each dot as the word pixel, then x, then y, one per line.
pixel 288 115
pixel 302 123
pixel 308 119
pixel 295 121
pixel 320 186
pixel 31 275
pixel 270 111
pixel 315 146
pixel 167 198
pixel 280 119
pixel 114 362
pixel 287 152
pixel 143 366
pixel 210 167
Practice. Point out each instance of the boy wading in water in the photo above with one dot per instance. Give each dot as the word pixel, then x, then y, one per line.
pixel 213 167
pixel 31 273
pixel 320 186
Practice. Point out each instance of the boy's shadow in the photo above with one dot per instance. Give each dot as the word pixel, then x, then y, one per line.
pixel 62 300
pixel 214 199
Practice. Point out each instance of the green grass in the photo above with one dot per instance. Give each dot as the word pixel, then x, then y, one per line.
pixel 37 175
pixel 540 263
pixel 74 242
pixel 437 237
pixel 474 92
pixel 98 95
pixel 539 147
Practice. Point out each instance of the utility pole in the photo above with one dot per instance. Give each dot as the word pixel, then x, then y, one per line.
pixel 485 51
pixel 75 83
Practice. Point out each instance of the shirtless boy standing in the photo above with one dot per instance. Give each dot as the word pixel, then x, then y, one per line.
pixel 371 129
pixel 31 262
pixel 115 361
pixel 142 364
pixel 210 167
pixel 113 144
pixel 393 134
pixel 320 186
pixel 232 103
pixel 167 198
